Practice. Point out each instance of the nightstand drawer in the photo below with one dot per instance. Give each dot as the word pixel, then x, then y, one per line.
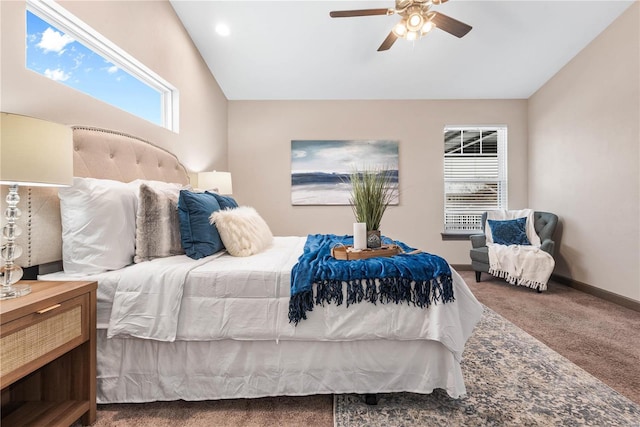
pixel 48 355
pixel 40 337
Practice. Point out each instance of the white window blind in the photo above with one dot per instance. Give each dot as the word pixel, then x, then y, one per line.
pixel 475 175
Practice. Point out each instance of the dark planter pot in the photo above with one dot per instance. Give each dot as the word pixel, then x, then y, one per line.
pixel 374 240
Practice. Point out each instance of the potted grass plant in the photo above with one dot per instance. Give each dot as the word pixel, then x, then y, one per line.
pixel 372 190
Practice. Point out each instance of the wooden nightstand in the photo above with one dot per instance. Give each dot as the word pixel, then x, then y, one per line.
pixel 48 355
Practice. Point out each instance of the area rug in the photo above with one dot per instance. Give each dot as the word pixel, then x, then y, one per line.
pixel 512 379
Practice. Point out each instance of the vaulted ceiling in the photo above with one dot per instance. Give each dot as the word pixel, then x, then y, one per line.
pixel 294 50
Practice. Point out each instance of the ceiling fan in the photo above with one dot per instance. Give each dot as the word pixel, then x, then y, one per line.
pixel 417 20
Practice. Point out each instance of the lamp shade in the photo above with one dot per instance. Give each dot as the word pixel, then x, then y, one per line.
pixel 35 152
pixel 220 182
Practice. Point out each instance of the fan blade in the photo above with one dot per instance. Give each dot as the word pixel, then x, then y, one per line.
pixel 388 42
pixel 450 25
pixel 361 12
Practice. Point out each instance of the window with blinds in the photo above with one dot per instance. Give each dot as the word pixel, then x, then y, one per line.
pixel 475 175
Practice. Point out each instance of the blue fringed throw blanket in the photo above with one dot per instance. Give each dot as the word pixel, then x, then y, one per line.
pixel 419 278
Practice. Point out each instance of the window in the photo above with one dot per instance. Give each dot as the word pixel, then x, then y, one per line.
pixel 475 175
pixel 66 50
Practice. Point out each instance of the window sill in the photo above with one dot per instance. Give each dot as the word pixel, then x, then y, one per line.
pixel 458 236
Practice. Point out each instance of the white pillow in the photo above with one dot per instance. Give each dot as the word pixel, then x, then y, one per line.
pixel 242 230
pixel 98 225
pixel 157 185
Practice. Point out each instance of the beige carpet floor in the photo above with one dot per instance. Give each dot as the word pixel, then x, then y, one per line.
pixel 310 411
pixel 601 337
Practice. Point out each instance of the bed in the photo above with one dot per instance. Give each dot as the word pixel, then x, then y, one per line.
pixel 221 327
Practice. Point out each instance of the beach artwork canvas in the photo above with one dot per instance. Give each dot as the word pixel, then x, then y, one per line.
pixel 320 169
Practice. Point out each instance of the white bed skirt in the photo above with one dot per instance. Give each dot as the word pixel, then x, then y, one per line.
pixel 134 370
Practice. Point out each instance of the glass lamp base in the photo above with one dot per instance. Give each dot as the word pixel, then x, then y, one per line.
pixel 15 291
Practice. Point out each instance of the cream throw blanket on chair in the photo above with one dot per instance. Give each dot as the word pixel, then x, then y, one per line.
pixel 518 264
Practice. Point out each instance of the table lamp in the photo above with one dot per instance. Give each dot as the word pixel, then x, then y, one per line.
pixel 33 152
pixel 220 182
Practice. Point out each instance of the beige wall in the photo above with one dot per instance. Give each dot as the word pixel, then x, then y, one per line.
pixel 260 134
pixel 584 154
pixel 150 32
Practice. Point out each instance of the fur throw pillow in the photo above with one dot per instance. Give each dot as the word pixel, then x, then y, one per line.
pixel 157 223
pixel 242 230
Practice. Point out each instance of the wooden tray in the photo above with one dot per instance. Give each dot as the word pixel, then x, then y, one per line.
pixel 347 253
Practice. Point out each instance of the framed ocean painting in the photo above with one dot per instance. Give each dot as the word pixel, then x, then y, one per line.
pixel 320 169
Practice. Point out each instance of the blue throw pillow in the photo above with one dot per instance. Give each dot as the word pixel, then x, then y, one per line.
pixel 509 232
pixel 225 202
pixel 199 237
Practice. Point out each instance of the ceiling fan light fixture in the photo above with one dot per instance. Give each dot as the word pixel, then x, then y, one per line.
pixel 428 26
pixel 400 29
pixel 415 22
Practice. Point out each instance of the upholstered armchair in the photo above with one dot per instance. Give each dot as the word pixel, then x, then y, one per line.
pixel 544 224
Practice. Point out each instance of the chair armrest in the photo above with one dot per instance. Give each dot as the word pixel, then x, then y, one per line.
pixel 478 240
pixel 548 246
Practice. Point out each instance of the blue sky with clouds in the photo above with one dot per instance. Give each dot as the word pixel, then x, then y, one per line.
pixel 59 57
pixel 343 156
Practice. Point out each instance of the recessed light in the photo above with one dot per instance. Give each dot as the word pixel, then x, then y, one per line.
pixel 223 30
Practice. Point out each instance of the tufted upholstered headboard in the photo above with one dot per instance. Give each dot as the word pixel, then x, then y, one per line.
pixel 97 153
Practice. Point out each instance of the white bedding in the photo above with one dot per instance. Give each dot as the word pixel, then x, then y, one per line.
pixel 133 370
pixel 247 298
pixel 233 338
pixel 266 274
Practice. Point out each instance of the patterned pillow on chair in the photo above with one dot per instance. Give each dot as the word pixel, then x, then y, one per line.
pixel 509 232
